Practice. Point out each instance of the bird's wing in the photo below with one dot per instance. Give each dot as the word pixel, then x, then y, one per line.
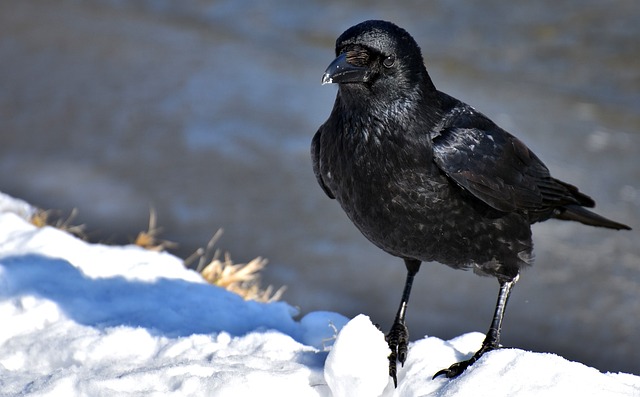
pixel 315 158
pixel 497 168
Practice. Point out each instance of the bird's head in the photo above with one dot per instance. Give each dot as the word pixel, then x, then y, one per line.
pixel 377 55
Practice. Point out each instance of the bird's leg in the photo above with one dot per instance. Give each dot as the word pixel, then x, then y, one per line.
pixel 492 340
pixel 398 337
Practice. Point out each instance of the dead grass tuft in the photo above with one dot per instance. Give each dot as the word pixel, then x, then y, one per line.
pixel 149 239
pixel 42 218
pixel 242 279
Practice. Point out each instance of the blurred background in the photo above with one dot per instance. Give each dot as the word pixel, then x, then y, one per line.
pixel 205 110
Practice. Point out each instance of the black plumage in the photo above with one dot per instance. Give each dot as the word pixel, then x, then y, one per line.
pixel 426 177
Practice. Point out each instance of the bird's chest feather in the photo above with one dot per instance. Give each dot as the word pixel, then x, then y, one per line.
pixel 377 170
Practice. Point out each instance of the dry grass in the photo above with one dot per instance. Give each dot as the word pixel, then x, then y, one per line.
pixel 219 270
pixel 149 239
pixel 243 279
pixel 42 218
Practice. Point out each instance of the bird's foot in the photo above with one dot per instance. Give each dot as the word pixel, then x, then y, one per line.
pixel 458 368
pixel 398 340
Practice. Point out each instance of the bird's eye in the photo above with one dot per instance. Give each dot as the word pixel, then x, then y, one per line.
pixel 389 61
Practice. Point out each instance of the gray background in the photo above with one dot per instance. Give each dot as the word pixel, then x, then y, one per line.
pixel 205 111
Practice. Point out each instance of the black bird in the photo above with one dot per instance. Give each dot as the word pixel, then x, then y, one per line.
pixel 426 177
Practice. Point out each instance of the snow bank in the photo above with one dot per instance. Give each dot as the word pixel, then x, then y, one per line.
pixel 79 319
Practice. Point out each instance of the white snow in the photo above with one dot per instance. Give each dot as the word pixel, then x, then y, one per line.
pixel 357 365
pixel 80 319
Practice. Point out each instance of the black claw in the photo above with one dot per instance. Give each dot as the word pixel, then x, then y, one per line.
pixel 454 370
pixel 398 340
pixel 441 372
pixel 392 372
pixel 402 354
pixel 458 368
pixel 444 372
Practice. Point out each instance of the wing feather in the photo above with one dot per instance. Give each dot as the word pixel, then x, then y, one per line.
pixel 498 168
pixel 315 158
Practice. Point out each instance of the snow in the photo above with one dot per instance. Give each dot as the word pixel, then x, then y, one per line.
pixel 357 365
pixel 80 319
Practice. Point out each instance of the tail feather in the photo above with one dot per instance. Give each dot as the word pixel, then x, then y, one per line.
pixel 582 215
pixel 581 198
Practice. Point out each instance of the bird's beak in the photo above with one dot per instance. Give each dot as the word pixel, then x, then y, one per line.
pixel 341 71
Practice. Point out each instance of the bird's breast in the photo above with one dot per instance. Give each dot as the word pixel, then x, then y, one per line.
pixel 381 182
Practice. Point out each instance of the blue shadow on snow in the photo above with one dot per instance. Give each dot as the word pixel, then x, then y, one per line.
pixel 170 307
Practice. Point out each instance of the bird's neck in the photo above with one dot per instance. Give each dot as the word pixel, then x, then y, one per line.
pixel 381 116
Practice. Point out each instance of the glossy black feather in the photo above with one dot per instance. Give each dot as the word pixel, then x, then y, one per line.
pixel 425 176
pixel 493 165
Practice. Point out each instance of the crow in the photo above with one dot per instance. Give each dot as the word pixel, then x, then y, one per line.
pixel 426 177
